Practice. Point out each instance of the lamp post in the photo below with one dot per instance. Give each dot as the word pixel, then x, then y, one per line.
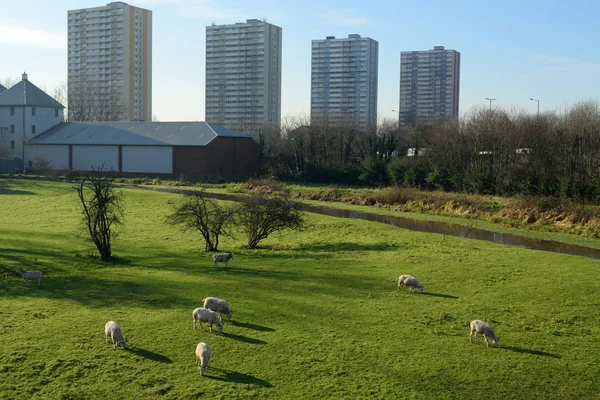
pixel 490 100
pixel 397 112
pixel 538 104
pixel 295 152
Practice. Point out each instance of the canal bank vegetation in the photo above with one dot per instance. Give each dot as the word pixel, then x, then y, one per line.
pixel 541 214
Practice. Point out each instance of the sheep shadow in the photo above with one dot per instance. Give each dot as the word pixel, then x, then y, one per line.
pixel 149 355
pixel 445 296
pixel 243 338
pixel 528 351
pixel 252 326
pixel 237 377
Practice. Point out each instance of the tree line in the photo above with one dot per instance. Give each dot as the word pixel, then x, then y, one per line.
pixel 487 151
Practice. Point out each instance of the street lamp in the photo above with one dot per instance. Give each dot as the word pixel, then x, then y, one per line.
pixel 487 98
pixel 532 99
pixel 293 140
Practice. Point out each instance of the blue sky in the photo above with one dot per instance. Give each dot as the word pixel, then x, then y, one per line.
pixel 510 50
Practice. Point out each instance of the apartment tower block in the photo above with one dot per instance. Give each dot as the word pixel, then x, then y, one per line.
pixel 243 75
pixel 110 63
pixel 429 86
pixel 344 81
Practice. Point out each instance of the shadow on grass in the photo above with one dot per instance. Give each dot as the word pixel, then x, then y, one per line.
pixel 237 377
pixel 149 355
pixel 446 296
pixel 11 188
pixel 252 326
pixel 349 246
pixel 99 292
pixel 253 272
pixel 244 339
pixel 528 351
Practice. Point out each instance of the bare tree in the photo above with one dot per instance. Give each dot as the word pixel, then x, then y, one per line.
pixel 101 207
pixel 88 102
pixel 206 216
pixel 9 81
pixel 42 165
pixel 264 214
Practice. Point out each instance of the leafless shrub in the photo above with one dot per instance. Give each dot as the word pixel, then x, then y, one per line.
pixel 205 215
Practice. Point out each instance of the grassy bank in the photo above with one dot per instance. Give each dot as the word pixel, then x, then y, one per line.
pixel 315 313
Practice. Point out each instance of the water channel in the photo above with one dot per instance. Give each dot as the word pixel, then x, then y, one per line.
pixel 443 228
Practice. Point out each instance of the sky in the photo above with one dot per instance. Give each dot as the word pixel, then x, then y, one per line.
pixel 510 50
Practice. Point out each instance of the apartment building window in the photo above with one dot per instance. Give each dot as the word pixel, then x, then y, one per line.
pixel 12 129
pixel 33 111
pixel 12 144
pixel 12 111
pixel 32 128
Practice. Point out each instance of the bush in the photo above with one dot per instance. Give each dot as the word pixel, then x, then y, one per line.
pixel 42 165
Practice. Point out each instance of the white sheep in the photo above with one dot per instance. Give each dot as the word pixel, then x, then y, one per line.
pixel 202 357
pixel 218 305
pixel 113 330
pixel 27 275
pixel 206 315
pixel 223 257
pixel 485 329
pixel 410 281
pixel 401 280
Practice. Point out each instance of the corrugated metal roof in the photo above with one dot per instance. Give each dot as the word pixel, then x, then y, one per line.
pixel 135 133
pixel 26 93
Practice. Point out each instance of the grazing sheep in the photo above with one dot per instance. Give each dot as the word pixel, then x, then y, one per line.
pixel 217 305
pixel 485 329
pixel 113 330
pixel 206 315
pixel 27 275
pixel 202 357
pixel 401 280
pixel 223 257
pixel 410 281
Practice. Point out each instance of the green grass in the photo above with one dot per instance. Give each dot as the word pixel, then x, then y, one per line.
pixel 544 232
pixel 316 314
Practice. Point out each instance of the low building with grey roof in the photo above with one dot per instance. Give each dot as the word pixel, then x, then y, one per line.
pixel 194 150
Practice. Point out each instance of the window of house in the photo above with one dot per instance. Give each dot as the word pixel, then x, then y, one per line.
pixel 30 163
pixel 32 128
pixel 12 144
pixel 12 111
pixel 12 129
pixel 56 112
pixel 33 111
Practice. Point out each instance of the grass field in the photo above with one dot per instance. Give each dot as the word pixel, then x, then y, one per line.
pixel 316 314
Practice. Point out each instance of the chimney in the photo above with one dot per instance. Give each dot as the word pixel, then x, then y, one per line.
pixel 24 76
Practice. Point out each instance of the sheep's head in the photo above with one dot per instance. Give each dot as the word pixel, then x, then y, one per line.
pixel 495 341
pixel 229 315
pixel 219 324
pixel 421 289
pixel 231 256
pixel 123 343
pixel 19 271
pixel 203 369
